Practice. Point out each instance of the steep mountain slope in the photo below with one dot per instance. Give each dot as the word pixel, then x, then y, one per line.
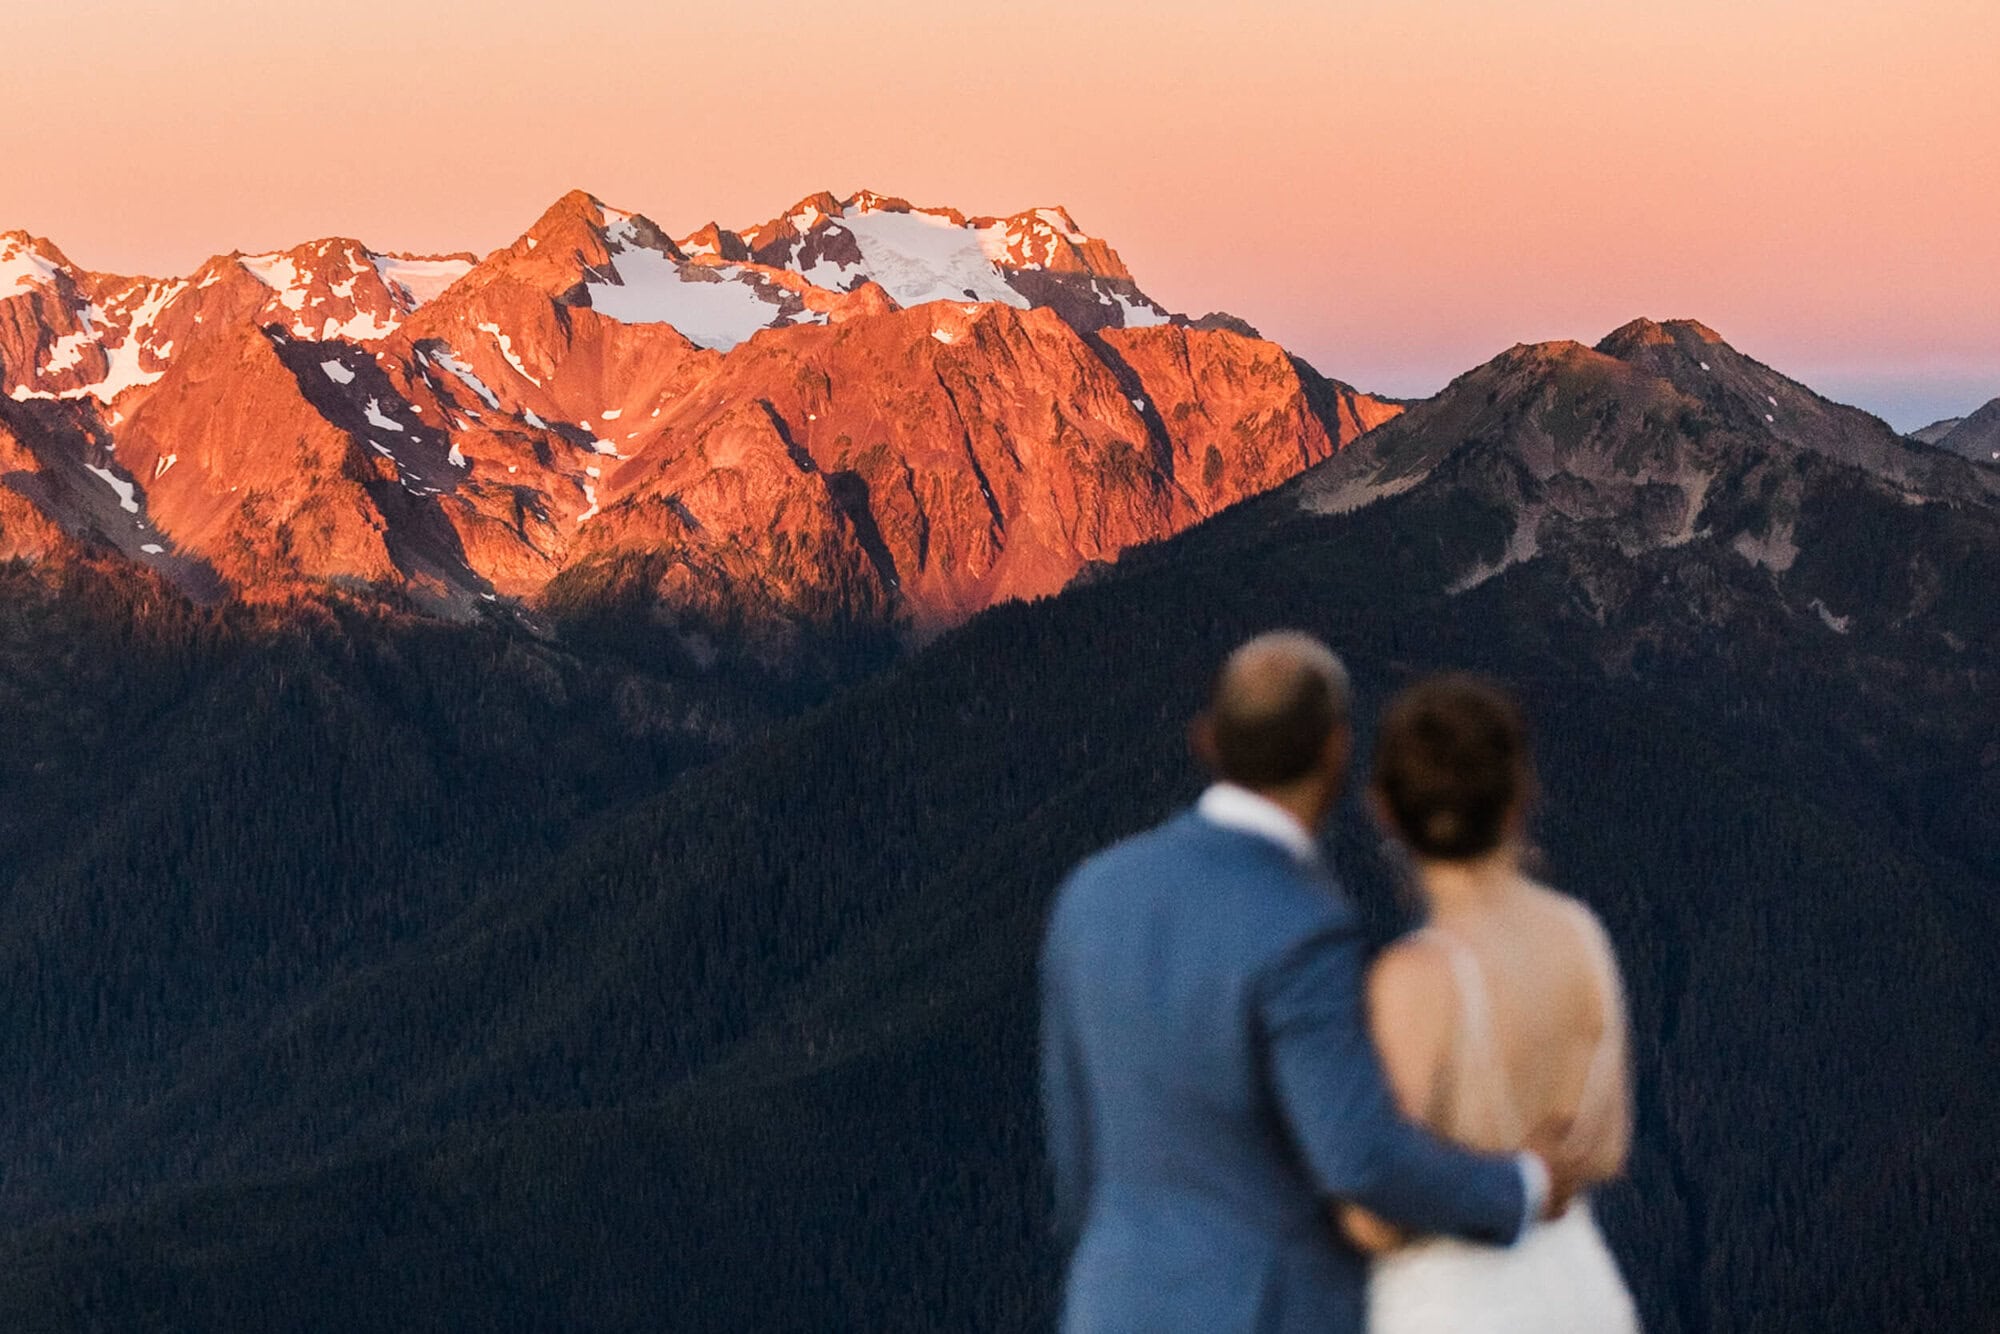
pixel 958 455
pixel 1936 431
pixel 1976 437
pixel 26 531
pixel 861 414
pixel 756 1051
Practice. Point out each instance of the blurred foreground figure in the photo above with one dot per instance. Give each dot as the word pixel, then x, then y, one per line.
pixel 1502 1014
pixel 1210 1090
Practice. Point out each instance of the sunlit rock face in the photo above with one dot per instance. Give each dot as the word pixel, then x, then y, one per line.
pixel 861 411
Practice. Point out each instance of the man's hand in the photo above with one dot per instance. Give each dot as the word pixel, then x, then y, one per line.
pixel 1549 1142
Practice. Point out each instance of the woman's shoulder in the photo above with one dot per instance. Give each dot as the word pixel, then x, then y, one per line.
pixel 1575 945
pixel 1414 979
pixel 1586 927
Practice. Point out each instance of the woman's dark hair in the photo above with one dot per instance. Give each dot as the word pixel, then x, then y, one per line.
pixel 1452 762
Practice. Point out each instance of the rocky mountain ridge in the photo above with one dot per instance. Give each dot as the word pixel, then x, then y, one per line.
pixel 1639 427
pixel 858 410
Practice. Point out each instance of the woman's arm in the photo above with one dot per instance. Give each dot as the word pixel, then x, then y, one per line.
pixel 1326 1077
pixel 1412 1032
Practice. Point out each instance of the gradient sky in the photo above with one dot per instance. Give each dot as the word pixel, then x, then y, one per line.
pixel 1396 189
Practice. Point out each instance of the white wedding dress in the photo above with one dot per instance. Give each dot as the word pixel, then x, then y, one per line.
pixel 1559 1278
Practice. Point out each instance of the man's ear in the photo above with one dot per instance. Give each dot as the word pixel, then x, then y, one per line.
pixel 1201 740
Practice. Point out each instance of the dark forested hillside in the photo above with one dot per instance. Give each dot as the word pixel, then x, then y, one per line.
pixel 213 813
pixel 752 1048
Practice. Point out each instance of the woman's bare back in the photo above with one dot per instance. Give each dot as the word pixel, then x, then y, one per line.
pixel 1506 1016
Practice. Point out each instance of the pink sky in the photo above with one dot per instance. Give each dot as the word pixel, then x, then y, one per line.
pixel 1395 189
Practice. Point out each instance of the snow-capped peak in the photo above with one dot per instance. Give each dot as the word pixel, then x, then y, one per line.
pixel 339 288
pixel 27 262
pixel 632 272
pixel 918 255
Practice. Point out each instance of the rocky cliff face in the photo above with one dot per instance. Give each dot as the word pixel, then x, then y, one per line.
pixel 860 411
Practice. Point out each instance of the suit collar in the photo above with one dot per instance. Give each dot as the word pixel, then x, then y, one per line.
pixel 1227 806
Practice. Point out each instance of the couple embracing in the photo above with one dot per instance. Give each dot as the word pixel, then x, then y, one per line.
pixel 1254 1128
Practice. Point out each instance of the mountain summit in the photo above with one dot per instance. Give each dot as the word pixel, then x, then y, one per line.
pixel 1976 437
pixel 1039 257
pixel 1633 431
pixel 861 411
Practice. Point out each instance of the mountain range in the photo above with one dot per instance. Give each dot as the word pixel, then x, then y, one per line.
pixel 389 958
pixel 860 410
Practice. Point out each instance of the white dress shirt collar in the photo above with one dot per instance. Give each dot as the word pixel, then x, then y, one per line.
pixel 1228 806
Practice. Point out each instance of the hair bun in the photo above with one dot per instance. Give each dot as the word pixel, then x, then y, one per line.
pixel 1451 763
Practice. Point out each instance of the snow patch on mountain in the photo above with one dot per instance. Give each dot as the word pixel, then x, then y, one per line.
pixel 706 305
pixel 834 275
pixel 1140 315
pixel 465 373
pixel 360 327
pixel 22 267
pixel 128 499
pixel 419 280
pixel 1774 550
pixel 67 351
pixel 122 338
pixel 280 273
pixel 1838 624
pixel 1522 546
pixel 505 342
pixel 922 257
pixel 1031 241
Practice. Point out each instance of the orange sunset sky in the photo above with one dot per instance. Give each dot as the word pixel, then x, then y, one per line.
pixel 1396 190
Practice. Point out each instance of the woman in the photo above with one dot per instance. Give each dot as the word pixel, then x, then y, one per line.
pixel 1502 1015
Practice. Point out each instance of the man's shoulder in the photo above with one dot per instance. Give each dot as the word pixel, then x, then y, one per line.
pixel 1135 859
pixel 1243 876
pixel 1176 830
pixel 1182 846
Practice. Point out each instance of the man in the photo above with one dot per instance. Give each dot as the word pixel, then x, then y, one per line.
pixel 1208 1081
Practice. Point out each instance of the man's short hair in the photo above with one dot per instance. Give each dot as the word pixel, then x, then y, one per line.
pixel 1275 703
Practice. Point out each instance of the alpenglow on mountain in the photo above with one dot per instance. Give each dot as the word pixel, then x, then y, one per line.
pixel 374 963
pixel 861 410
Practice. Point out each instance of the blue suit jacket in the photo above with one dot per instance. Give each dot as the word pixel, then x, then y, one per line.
pixel 1209 1086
